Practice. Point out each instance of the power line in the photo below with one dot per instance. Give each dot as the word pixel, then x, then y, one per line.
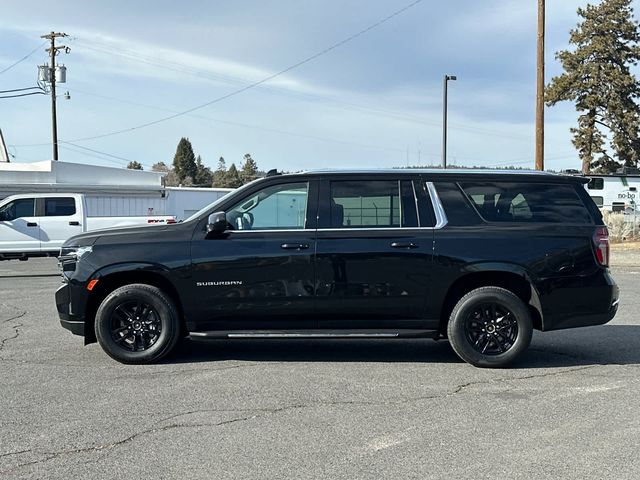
pixel 20 89
pixel 230 80
pixel 124 159
pixel 259 82
pixel 23 58
pixel 23 95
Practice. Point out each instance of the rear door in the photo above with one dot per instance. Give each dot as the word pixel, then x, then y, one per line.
pixel 60 219
pixel 374 252
pixel 19 229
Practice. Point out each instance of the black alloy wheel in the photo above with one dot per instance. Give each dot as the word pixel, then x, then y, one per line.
pixel 137 323
pixel 490 327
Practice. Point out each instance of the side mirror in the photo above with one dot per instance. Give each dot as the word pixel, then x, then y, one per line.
pixel 217 222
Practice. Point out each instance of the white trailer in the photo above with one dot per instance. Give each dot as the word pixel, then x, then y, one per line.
pixel 615 192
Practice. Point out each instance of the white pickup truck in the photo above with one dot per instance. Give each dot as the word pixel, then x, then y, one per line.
pixel 36 225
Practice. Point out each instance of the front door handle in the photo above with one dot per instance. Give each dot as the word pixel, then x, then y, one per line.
pixel 74 223
pixel 404 245
pixel 294 246
pixel 32 224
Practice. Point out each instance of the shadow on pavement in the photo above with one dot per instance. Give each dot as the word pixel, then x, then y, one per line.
pixel 609 344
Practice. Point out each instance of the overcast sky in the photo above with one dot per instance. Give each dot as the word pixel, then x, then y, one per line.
pixel 375 101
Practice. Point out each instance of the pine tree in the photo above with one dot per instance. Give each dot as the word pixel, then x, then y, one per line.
pixel 133 165
pixel 159 167
pixel 232 178
pixel 249 170
pixel 220 174
pixel 204 175
pixel 598 80
pixel 184 161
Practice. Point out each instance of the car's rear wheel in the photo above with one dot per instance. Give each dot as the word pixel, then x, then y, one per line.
pixel 137 323
pixel 490 327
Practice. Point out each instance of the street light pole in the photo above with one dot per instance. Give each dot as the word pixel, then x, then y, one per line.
pixel 444 118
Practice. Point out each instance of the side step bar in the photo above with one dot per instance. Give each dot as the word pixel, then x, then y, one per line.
pixel 273 334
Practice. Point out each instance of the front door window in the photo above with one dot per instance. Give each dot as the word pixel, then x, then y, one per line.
pixel 279 207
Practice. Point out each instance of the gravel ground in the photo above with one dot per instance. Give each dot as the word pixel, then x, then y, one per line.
pixel 313 409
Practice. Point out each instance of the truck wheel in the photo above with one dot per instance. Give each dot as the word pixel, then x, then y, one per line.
pixel 490 327
pixel 137 323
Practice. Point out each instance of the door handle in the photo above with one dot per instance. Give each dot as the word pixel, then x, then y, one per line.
pixel 407 245
pixel 74 223
pixel 32 224
pixel 294 246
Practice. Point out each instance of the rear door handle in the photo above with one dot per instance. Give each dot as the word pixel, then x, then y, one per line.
pixel 32 224
pixel 294 246
pixel 75 224
pixel 404 245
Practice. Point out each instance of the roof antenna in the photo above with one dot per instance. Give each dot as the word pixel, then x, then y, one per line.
pixel 272 172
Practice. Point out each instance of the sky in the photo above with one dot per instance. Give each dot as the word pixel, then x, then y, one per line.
pixel 374 101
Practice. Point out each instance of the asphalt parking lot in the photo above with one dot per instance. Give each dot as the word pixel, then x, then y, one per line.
pixel 313 409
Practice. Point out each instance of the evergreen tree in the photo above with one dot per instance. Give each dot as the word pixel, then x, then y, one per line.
pixel 232 178
pixel 249 170
pixel 598 80
pixel 220 174
pixel 204 175
pixel 133 165
pixel 159 167
pixel 184 161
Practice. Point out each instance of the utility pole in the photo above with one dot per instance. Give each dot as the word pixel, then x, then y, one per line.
pixel 445 99
pixel 540 90
pixel 53 51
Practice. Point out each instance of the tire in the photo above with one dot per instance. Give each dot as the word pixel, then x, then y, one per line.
pixel 137 324
pixel 490 327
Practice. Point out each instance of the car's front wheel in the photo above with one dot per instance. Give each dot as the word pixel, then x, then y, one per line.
pixel 137 323
pixel 490 327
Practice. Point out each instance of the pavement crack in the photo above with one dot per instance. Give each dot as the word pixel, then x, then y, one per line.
pixel 460 388
pixel 48 456
pixel 19 452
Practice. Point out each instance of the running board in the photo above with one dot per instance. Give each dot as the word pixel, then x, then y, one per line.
pixel 273 334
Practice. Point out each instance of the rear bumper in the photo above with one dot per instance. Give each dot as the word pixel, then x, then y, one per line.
pixel 583 303
pixel 68 319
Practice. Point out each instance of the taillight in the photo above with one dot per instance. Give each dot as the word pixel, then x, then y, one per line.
pixel 601 242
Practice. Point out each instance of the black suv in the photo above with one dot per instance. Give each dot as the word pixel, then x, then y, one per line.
pixel 479 257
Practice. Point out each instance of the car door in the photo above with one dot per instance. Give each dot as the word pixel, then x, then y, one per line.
pixel 259 274
pixel 374 252
pixel 60 218
pixel 19 229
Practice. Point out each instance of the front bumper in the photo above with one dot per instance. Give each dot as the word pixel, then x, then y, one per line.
pixel 68 319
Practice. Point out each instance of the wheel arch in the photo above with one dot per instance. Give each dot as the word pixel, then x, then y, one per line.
pixel 115 276
pixel 510 277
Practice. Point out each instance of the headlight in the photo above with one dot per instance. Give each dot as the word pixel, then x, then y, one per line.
pixel 69 256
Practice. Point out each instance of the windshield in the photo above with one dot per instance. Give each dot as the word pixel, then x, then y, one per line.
pixel 210 206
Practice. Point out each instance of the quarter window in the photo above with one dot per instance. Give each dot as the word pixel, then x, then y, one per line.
pixel 24 207
pixel 527 202
pixel 279 207
pixel 59 206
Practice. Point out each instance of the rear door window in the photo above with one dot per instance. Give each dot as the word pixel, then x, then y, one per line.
pixel 372 204
pixel 59 206
pixel 527 202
